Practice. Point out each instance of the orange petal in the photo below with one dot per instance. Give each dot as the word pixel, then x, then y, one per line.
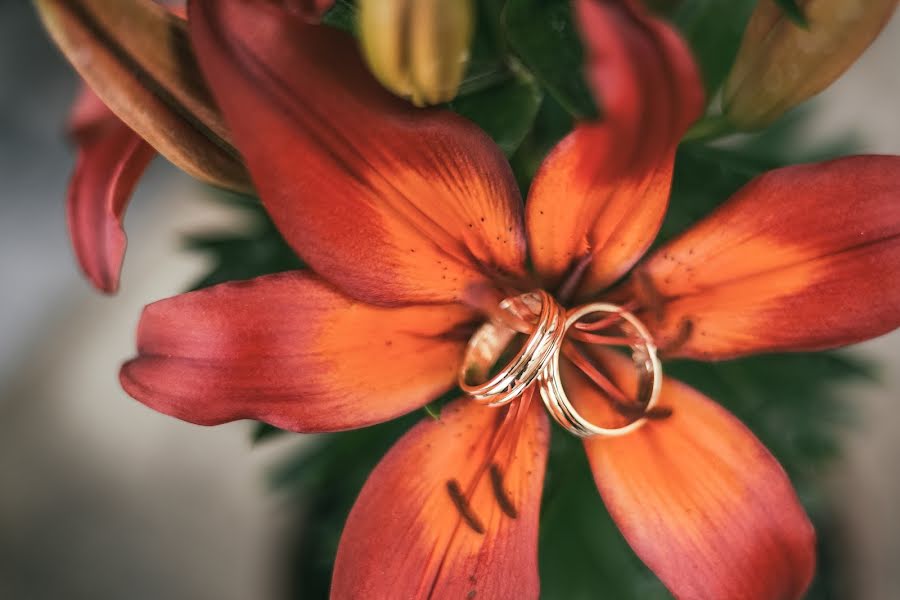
pixel 644 79
pixel 390 203
pixel 598 200
pixel 699 499
pixel 289 350
pixel 111 159
pixel 802 258
pixel 407 537
pixel 593 231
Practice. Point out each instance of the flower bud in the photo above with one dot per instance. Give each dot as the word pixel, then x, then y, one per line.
pixel 780 63
pixel 418 49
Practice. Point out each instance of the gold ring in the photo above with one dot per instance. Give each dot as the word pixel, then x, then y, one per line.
pixel 643 353
pixel 486 347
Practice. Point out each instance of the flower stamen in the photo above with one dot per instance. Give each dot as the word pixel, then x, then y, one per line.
pixel 463 507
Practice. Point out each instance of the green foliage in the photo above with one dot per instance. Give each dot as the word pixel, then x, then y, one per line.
pixel 543 36
pixel 505 111
pixel 342 15
pixel 582 554
pixel 794 12
pixel 259 250
pixel 324 478
pixel 713 29
pixel 550 125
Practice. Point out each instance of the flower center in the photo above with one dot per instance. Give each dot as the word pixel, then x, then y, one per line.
pixel 522 343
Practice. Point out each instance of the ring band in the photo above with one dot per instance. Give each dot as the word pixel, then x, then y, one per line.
pixel 490 341
pixel 643 354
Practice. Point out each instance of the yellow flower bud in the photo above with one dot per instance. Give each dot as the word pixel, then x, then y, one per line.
pixel 418 49
pixel 780 64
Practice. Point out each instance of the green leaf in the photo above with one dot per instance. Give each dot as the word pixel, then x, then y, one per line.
pixel 582 555
pixel 545 39
pixel 259 250
pixel 506 111
pixel 324 477
pixel 263 432
pixel 714 29
pixel 794 12
pixel 342 15
pixel 487 53
pixel 551 124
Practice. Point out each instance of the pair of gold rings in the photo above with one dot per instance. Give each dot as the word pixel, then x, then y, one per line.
pixel 546 324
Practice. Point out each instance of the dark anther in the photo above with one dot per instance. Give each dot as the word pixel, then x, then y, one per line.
pixel 462 505
pixel 503 498
pixel 685 330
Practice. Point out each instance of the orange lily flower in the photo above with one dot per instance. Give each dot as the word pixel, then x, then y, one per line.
pixel 406 217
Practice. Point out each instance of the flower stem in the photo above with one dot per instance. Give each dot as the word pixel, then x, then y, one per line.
pixel 709 128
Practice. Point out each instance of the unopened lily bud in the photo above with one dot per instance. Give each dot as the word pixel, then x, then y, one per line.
pixel 780 63
pixel 418 49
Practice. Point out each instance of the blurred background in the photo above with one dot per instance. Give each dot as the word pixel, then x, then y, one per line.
pixel 102 498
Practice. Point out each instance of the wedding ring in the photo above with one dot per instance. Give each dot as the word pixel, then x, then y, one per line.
pixel 487 346
pixel 643 353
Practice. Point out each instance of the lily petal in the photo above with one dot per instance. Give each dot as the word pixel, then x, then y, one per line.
pixel 802 258
pixel 392 204
pixel 289 350
pixel 415 532
pixel 592 231
pixel 646 82
pixel 599 198
pixel 111 159
pixel 699 499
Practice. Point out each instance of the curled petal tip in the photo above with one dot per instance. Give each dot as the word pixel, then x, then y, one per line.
pixel 111 158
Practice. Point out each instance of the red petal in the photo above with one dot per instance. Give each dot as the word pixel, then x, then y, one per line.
pixel 802 258
pixel 599 198
pixel 312 10
pixel 699 498
pixel 111 159
pixel 291 351
pixel 390 203
pixel 595 229
pixel 406 536
pixel 645 81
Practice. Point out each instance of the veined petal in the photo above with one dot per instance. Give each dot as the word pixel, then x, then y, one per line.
pixel 699 499
pixel 594 230
pixel 802 258
pixel 442 516
pixel 136 57
pixel 290 350
pixel 390 203
pixel 598 200
pixel 645 81
pixel 111 159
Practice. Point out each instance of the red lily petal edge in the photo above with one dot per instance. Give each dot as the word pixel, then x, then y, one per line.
pixel 290 350
pixel 699 498
pixel 111 159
